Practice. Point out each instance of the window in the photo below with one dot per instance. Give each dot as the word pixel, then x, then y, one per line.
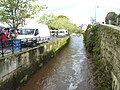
pixel 36 32
pixel 26 31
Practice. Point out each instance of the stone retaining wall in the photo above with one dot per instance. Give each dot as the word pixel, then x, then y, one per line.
pixel 26 63
pixel 103 41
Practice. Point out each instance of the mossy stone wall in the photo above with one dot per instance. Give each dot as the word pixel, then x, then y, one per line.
pixel 103 42
pixel 28 62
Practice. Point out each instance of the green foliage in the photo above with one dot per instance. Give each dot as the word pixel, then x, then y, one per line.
pixel 14 12
pixel 24 79
pixel 61 22
pixel 89 36
pixel 46 17
pixel 102 75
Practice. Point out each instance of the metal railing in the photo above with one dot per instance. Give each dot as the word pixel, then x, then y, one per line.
pixel 18 45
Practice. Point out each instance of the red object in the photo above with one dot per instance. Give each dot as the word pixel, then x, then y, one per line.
pixel 6 32
pixel 3 38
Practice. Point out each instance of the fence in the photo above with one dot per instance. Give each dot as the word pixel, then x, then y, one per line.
pixel 17 45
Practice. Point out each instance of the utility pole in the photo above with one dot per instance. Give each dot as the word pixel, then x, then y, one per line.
pixel 96 13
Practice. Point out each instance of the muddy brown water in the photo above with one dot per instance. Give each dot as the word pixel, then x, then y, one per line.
pixel 66 71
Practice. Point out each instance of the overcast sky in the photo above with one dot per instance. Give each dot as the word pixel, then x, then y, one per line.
pixel 80 11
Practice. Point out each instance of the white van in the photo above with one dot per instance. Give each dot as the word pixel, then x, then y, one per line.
pixel 31 35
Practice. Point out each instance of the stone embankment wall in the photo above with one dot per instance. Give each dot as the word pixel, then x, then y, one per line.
pixel 103 42
pixel 28 62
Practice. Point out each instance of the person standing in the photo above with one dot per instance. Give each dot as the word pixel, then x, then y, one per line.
pixel 3 38
pixel 6 32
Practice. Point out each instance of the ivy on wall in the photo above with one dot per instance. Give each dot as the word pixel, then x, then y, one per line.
pixel 102 69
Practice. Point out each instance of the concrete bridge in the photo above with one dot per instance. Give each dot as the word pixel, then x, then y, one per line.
pixel 103 42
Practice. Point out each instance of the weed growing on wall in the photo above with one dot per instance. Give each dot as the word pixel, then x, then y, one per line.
pixel 102 69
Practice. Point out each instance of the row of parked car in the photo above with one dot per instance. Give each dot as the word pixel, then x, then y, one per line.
pixel 39 33
pixel 59 33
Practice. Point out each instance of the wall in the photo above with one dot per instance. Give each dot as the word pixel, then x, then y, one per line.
pixel 19 67
pixel 103 41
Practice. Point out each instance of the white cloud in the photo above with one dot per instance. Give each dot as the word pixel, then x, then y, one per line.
pixel 80 11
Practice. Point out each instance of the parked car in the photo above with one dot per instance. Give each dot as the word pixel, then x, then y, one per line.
pixel 62 32
pixel 54 33
pixel 32 35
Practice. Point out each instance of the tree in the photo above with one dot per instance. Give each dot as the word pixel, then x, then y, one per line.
pixel 62 22
pixel 46 17
pixel 14 12
pixel 111 18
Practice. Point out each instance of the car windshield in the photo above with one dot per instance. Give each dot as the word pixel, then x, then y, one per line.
pixel 26 31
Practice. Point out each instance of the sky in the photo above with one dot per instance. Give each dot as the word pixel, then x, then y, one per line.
pixel 80 11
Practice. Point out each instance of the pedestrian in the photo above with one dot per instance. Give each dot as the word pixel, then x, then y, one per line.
pixel 16 33
pixel 6 32
pixel 3 38
pixel 12 34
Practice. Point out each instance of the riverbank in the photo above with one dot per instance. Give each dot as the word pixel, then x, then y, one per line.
pixel 91 67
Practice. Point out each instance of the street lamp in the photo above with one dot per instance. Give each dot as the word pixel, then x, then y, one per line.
pixel 96 13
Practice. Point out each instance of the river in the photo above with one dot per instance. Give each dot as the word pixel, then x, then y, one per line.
pixel 68 70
